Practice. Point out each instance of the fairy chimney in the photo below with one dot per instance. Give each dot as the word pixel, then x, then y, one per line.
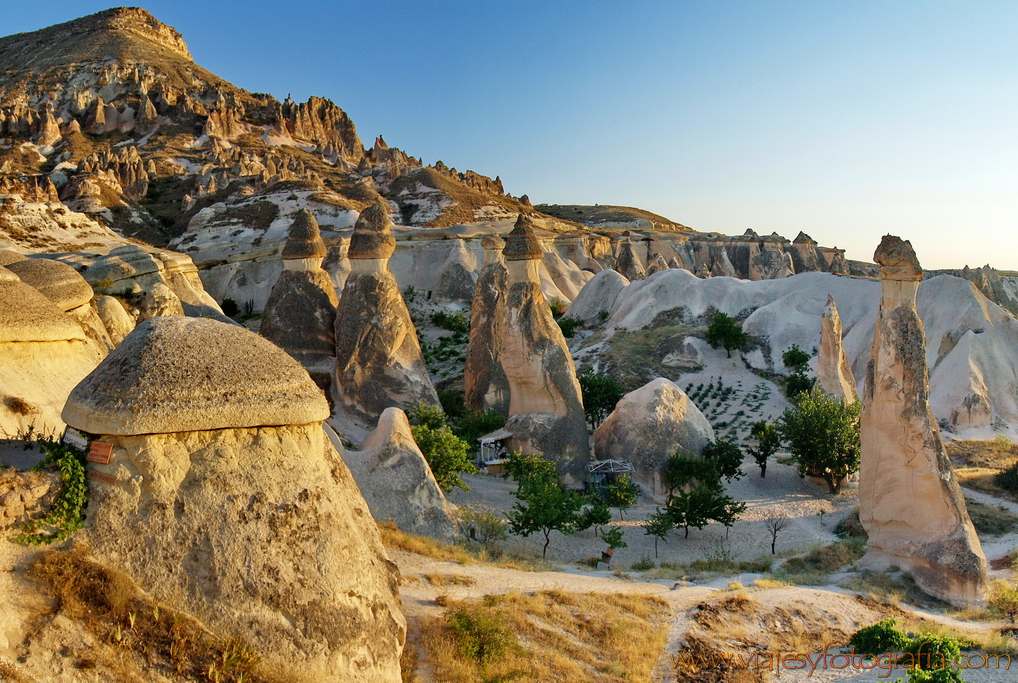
pixel 545 407
pixel 485 384
pixel 379 363
pixel 909 500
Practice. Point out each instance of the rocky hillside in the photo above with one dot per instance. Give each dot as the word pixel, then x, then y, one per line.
pixel 112 111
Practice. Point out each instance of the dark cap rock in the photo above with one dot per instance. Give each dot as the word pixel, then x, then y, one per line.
pixel 304 239
pixel 372 235
pixel 177 374
pixel 897 260
pixel 522 244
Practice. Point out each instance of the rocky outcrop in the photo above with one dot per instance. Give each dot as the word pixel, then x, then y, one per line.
pixel 397 482
pixel 62 285
pixel 834 372
pixel 43 354
pixel 26 496
pixel 115 318
pixel 648 426
pixel 596 300
pixel 378 357
pixel 300 315
pixel 160 301
pixel 627 263
pixel 485 384
pixel 909 499
pixel 545 408
pixel 225 498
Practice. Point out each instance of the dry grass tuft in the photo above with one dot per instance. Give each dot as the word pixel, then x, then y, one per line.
pixel 20 406
pixel 547 636
pixel 440 550
pixel 450 580
pixel 109 605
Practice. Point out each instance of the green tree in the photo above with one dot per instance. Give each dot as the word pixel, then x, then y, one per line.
pixel 544 505
pixel 702 505
pixel 597 515
pixel 658 525
pixel 725 332
pixel 795 358
pixel 822 434
pixel 684 468
pixel 621 494
pixel 798 382
pixel 600 394
pixel 727 455
pixel 448 455
pixel 477 423
pixel 613 537
pixel 768 439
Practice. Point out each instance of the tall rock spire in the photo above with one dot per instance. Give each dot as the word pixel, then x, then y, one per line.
pixel 545 408
pixel 909 499
pixel 834 373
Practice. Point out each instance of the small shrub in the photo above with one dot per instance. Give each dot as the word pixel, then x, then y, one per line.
pixel 230 308
pixel 879 638
pixel 484 524
pixel 642 565
pixel 1008 479
pixel 569 326
pixel 851 527
pixel 558 307
pixel 455 322
pixel 482 634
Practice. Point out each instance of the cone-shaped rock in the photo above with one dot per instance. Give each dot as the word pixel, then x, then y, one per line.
pixel 484 380
pixel 909 499
pixel 545 408
pixel 300 314
pixel 378 356
pixel 834 373
pixel 225 498
pixel 397 482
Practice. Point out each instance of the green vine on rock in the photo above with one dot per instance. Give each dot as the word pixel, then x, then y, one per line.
pixel 68 512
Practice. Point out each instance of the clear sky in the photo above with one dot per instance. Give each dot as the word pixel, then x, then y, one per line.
pixel 844 119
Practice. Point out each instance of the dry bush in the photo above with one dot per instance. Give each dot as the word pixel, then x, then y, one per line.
pixel 547 636
pixel 20 406
pixel 450 580
pixel 108 604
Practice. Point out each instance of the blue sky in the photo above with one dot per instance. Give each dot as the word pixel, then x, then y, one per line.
pixel 846 120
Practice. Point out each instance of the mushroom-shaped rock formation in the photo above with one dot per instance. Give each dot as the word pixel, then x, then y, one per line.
pixel 43 354
pixel 115 318
pixel 62 285
pixel 225 498
pixel 627 263
pixel 648 426
pixel 378 356
pixel 485 384
pixel 397 482
pixel 909 499
pixel 545 408
pixel 834 372
pixel 159 302
pixel 300 315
